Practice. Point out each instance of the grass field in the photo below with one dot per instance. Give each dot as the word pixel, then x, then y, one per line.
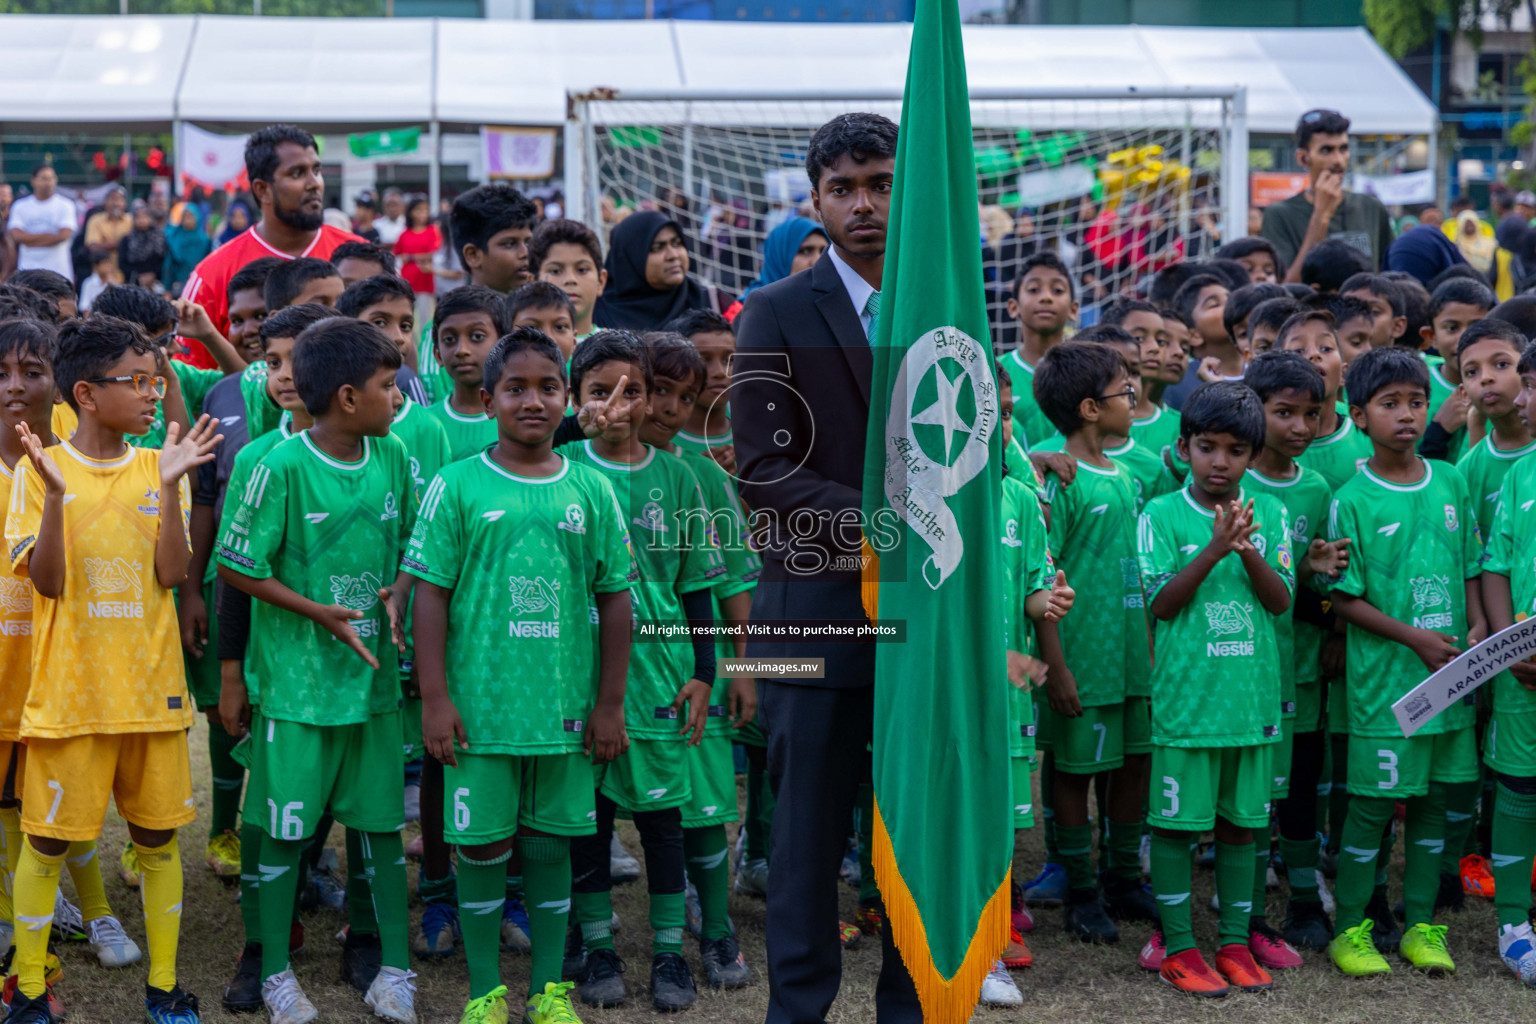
pixel 1070 982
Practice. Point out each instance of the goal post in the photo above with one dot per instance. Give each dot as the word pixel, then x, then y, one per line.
pixel 1117 181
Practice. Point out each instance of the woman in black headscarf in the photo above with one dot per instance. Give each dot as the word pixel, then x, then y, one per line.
pixel 648 279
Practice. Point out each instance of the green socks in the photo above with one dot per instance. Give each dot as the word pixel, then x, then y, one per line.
pixel 1048 808
pixel 1075 850
pixel 278 868
pixel 1257 910
pixel 707 856
pixel 1124 848
pixel 594 915
pixel 228 780
pixel 1460 817
pixel 1300 856
pixel 437 890
pixel 1425 832
pixel 360 913
pixel 1359 849
pixel 666 923
pixel 547 875
pixel 384 860
pixel 1514 837
pixel 250 881
pixel 1171 873
pixel 482 892
pixel 1234 888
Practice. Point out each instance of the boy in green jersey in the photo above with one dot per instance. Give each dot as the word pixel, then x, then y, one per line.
pixel 1218 572
pixel 678 372
pixel 464 329
pixel 567 254
pixel 544 307
pixel 1340 448
pixel 1453 306
pixel 517 723
pixel 1509 751
pixel 1410 598
pixel 1203 299
pixel 1091 721
pixel 1043 303
pixel 1154 427
pixel 1237 314
pixel 679 564
pixel 1265 321
pixel 1488 358
pixel 315 539
pixel 1292 391
pixel 1353 322
pixel 1384 298
pixel 708 430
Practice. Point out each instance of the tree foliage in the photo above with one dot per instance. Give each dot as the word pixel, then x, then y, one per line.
pixel 1402 26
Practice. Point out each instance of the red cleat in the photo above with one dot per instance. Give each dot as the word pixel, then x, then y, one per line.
pixel 1477 876
pixel 1152 954
pixel 1270 950
pixel 1236 964
pixel 1017 954
pixel 1187 971
pixel 1020 917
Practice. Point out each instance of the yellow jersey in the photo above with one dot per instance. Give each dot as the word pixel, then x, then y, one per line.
pixel 106 654
pixel 64 421
pixel 15 642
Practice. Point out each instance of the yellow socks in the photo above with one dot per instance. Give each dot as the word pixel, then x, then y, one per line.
pixel 85 871
pixel 37 883
pixel 162 910
pixel 10 846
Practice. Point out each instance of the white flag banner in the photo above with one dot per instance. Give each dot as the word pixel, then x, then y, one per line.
pixel 1478 664
pixel 213 161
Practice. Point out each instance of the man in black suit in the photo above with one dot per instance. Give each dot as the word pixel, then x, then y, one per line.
pixel 799 412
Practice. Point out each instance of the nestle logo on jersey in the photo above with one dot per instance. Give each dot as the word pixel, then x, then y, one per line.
pixel 1440 620
pixel 1228 648
pixel 115 609
pixel 534 630
pixel 15 628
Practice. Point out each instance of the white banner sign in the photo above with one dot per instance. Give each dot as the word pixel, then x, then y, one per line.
pixel 212 160
pixel 1398 189
pixel 1466 673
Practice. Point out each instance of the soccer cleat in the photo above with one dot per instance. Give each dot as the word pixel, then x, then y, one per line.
pixel 112 946
pixel 12 1001
pixel 412 807
pixel 552 1006
pixel 752 878
pixel 574 965
pixel 392 995
pixel 1386 932
pixel 1269 948
pixel 1207 857
pixel 173 1007
pixel 998 989
pixel 1235 963
pixel 1019 914
pixel 222 855
pixel 439 932
pixel 514 926
pixel 243 993
pixel 361 958
pixel 1188 972
pixel 1016 953
pixel 1145 855
pixel 68 925
pixel 870 917
pixel 1517 948
pixel 128 866
pixel 672 987
pixel 1354 952
pixel 1049 887
pixel 602 982
pixel 21 1010
pixel 848 934
pixel 1307 925
pixel 1126 899
pixel 490 1008
pixel 1325 895
pixel 1476 876
pixel 622 865
pixel 1151 956
pixel 1083 917
pixel 693 911
pixel 724 966
pixel 325 890
pixel 1423 946
pixel 286 1003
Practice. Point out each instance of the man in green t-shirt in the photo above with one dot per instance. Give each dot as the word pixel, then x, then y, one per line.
pixel 1324 209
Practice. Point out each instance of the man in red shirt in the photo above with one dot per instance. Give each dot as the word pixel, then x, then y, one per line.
pixel 284 170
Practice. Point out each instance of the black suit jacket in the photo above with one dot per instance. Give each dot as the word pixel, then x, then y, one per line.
pixel 799 414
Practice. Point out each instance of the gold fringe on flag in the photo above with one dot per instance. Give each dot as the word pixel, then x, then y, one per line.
pixel 944 1000
pixel 869 583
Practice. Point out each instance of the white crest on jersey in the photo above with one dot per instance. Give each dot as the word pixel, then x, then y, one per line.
pixel 114 576
pixel 1431 591
pixel 359 593
pixel 1228 617
pixel 575 519
pixel 531 596
pixel 15 595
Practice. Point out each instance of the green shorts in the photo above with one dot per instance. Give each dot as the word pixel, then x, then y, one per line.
pixel 203 673
pixel 1093 742
pixel 299 770
pixel 1400 767
pixel 1193 786
pixel 1280 761
pixel 711 784
pixel 411 728
pixel 1509 745
pixel 1023 796
pixel 489 796
pixel 750 735
pixel 1137 728
pixel 1309 707
pixel 652 775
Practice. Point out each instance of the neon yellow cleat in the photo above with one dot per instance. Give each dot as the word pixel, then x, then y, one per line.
pixel 490 1008
pixel 1355 954
pixel 223 855
pixel 1423 946
pixel 552 1006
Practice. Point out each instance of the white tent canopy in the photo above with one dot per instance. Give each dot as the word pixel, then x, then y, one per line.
pixel 83 72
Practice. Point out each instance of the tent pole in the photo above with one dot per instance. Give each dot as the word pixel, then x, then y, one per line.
pixel 176 156
pixel 435 168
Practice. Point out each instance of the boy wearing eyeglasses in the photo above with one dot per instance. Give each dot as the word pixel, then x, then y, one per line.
pixel 109 714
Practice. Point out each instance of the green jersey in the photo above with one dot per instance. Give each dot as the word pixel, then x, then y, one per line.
pixel 195 382
pixel 467 435
pixel 1093 540
pixel 1158 433
pixel 1413 547
pixel 1339 456
pixel 1026 568
pixel 668 521
pixel 727 528
pixel 1030 424
pixel 333 532
pixel 1215 682
pixel 436 381
pixel 425 441
pixel 1511 552
pixel 239 475
pixel 1485 468
pixel 700 444
pixel 1441 389
pixel 261 413
pixel 1306 497
pixel 527 553
pixel 1149 474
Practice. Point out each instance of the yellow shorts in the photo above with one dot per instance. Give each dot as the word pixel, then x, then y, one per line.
pixel 13 763
pixel 69 781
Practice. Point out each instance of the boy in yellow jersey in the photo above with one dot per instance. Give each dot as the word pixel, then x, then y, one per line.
pixel 110 712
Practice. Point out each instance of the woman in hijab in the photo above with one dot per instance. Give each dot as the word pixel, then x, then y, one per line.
pixel 186 246
pixel 141 253
pixel 793 246
pixel 1476 248
pixel 648 280
pixel 236 220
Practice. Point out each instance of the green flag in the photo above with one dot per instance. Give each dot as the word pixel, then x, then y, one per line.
pixel 943 826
